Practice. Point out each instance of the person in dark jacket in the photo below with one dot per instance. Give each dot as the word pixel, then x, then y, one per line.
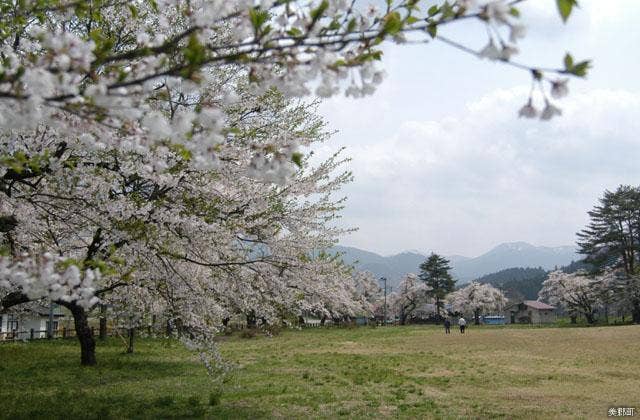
pixel 447 326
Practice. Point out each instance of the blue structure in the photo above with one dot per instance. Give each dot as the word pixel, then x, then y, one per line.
pixel 493 320
pixel 362 320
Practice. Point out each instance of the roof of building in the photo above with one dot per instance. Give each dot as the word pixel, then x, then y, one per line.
pixel 43 311
pixel 534 304
pixel 537 304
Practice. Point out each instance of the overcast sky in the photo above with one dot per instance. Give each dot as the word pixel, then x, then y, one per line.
pixel 442 163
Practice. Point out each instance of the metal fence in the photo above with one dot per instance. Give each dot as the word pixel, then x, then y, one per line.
pixel 61 333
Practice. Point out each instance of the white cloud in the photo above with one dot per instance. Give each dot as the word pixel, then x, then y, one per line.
pixel 442 162
pixel 461 184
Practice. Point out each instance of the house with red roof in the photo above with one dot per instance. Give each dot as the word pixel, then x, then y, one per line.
pixel 529 312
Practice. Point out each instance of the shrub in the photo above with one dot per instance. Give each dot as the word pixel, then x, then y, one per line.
pixel 214 398
pixel 248 333
pixel 165 401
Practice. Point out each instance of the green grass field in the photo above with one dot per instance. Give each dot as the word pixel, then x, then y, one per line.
pixel 405 372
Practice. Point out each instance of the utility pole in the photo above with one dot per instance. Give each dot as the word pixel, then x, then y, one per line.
pixel 50 326
pixel 394 318
pixel 384 319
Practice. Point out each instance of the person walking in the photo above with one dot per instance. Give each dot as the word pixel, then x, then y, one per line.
pixel 463 324
pixel 447 326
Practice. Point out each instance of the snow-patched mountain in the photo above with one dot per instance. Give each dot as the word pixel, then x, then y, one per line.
pixel 507 255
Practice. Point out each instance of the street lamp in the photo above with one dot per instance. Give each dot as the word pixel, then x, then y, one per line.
pixel 384 318
pixel 50 326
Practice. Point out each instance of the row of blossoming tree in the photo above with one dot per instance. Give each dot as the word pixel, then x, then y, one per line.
pixel 155 158
pixel 414 299
pixel 608 282
pixel 611 245
pixel 424 295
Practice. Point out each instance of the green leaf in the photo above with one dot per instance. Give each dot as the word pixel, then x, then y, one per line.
pixel 568 62
pixel 565 7
pixel 294 32
pixel 297 159
pixel 432 30
pixel 410 20
pixel 581 68
pixel 351 26
pixel 433 10
pixel 334 25
pixel 447 10
pixel 258 18
pixel 134 11
pixel 194 55
pixel 514 12
pixel 577 69
pixel 319 11
pixel 392 23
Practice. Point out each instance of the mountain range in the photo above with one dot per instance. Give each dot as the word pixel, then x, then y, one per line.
pixel 464 269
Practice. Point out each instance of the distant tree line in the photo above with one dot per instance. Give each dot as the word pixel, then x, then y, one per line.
pixel 606 281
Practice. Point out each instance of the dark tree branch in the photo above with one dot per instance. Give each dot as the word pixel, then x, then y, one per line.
pixel 13 299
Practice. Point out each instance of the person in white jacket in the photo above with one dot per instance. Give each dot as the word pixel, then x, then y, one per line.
pixel 463 324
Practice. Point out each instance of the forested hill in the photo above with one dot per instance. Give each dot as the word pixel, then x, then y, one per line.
pixel 525 283
pixel 518 283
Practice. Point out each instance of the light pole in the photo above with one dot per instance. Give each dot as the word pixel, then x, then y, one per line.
pixel 50 326
pixel 384 317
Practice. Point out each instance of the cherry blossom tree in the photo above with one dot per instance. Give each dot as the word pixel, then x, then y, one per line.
pixel 104 60
pixel 476 298
pixel 576 292
pixel 367 292
pixel 615 290
pixel 410 295
pixel 151 150
pixel 201 243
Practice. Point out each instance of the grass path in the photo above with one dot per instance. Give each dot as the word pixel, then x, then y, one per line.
pixel 407 372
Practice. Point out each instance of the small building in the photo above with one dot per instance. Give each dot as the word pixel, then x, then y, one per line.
pixel 529 312
pixel 18 327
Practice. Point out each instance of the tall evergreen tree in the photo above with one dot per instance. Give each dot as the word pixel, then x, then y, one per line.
pixel 612 239
pixel 435 273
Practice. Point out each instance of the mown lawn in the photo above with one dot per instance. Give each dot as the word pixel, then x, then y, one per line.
pixel 403 372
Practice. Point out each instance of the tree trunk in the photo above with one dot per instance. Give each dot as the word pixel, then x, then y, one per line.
pixel 80 319
pixel 403 317
pixel 476 316
pixel 179 326
pixel 252 322
pixel 574 319
pixel 437 310
pixel 103 322
pixel 590 318
pixel 84 334
pixel 322 320
pixel 635 313
pixel 131 334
